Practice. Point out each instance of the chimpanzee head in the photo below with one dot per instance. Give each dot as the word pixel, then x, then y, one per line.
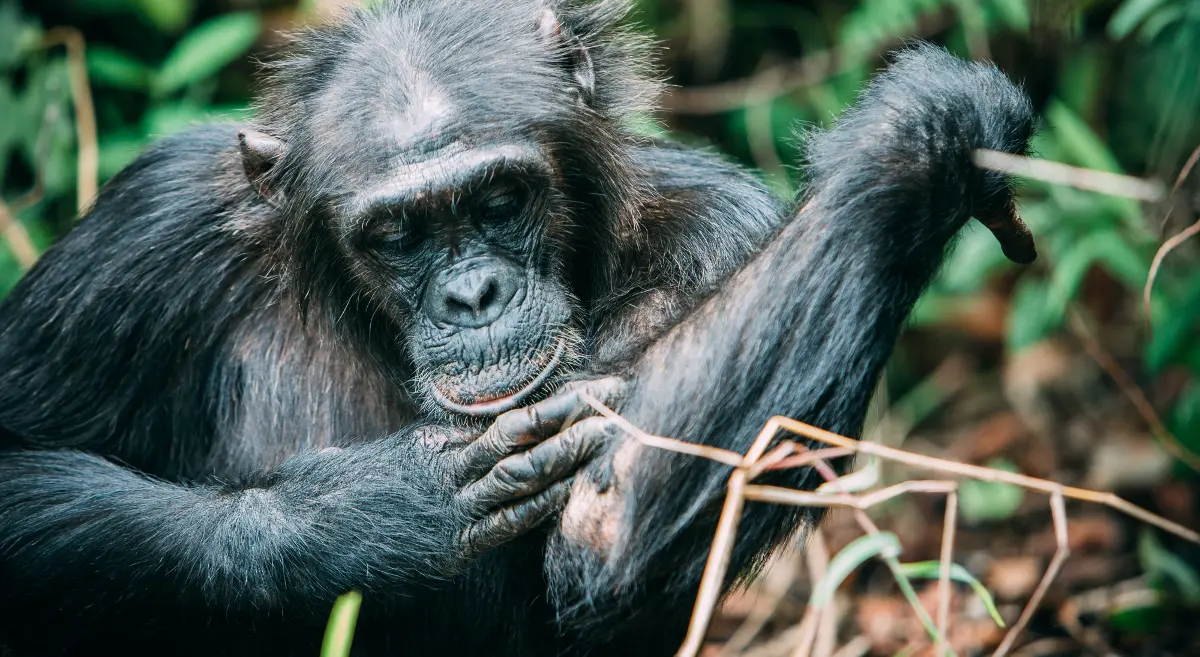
pixel 436 168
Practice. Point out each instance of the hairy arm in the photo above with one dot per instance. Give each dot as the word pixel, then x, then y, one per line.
pixel 802 330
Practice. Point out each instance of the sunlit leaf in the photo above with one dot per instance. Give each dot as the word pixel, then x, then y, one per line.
pixel 167 15
pixel 851 557
pixel 1129 15
pixel 207 49
pixel 983 501
pixel 1161 20
pixel 933 570
pixel 111 67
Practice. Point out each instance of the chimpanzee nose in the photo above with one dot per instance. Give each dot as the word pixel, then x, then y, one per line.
pixel 472 293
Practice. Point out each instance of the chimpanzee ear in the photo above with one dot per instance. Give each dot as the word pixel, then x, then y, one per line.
pixel 260 152
pixel 557 36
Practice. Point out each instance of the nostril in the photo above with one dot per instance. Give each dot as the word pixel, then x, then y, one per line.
pixel 487 297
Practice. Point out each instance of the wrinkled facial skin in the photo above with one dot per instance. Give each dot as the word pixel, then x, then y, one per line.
pixel 462 247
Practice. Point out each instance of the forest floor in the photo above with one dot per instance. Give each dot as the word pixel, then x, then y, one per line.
pixel 1051 412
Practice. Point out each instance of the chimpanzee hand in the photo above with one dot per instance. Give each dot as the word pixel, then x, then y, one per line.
pixel 518 472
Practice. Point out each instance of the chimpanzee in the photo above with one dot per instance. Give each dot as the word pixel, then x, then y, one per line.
pixel 343 348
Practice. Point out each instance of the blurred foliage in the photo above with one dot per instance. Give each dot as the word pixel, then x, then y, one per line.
pixel 1115 82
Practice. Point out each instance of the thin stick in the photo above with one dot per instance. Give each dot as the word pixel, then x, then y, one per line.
pixel 18 238
pixel 85 114
pixel 1113 184
pixel 986 474
pixel 826 624
pixel 949 524
pixel 1170 244
pixel 670 444
pixel 804 458
pixel 715 568
pixel 1058 512
pixel 817 560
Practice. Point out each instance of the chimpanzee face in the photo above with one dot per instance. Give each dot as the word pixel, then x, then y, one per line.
pixel 421 170
pixel 461 242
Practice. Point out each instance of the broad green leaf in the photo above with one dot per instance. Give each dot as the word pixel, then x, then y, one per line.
pixel 1106 248
pixel 983 501
pixel 1184 421
pixel 933 570
pixel 1081 145
pixel 1161 20
pixel 111 67
pixel 1129 15
pixel 207 49
pixel 339 633
pixel 167 15
pixel 1161 563
pixel 851 557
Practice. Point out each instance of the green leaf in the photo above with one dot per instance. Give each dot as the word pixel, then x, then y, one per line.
pixel 111 67
pixel 1106 247
pixel 1185 417
pixel 983 501
pixel 1161 563
pixel 1129 15
pixel 1177 329
pixel 339 633
pixel 1081 145
pixel 207 49
pixel 851 557
pixel 933 570
pixel 167 15
pixel 1161 20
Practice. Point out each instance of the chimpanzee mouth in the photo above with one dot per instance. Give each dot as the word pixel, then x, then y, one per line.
pixel 508 401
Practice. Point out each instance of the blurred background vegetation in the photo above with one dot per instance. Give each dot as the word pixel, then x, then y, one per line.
pixel 1117 83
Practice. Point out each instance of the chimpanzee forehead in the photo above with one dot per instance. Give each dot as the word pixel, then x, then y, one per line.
pixel 422 75
pixel 423 61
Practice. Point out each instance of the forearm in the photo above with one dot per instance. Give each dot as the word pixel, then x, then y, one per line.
pixel 301 535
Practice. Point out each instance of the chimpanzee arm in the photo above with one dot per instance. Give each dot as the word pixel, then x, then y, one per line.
pixel 802 331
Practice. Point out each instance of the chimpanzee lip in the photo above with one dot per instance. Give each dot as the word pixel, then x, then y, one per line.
pixel 498 405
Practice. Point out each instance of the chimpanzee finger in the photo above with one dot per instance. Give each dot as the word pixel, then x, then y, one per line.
pixel 1015 239
pixel 510 522
pixel 526 426
pixel 527 473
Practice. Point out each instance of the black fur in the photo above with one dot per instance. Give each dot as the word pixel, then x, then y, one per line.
pixel 177 366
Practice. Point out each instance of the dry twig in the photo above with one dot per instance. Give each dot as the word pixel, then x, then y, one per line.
pixel 738 490
pixel 87 177
pixel 1113 184
pixel 1168 246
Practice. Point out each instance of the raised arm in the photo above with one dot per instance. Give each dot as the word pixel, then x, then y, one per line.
pixel 803 331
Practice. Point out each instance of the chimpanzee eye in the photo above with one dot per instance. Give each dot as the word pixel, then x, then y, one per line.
pixel 501 201
pixel 394 231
